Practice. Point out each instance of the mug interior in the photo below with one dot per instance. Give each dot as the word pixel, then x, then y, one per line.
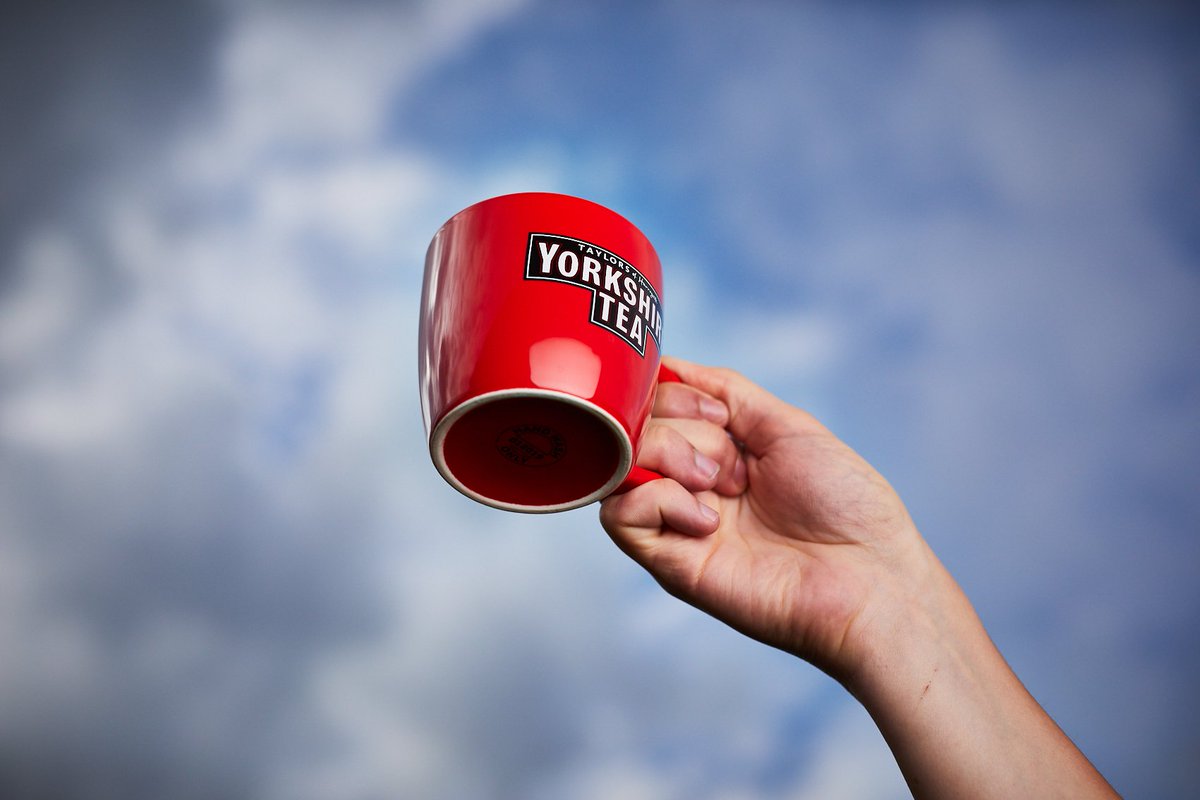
pixel 531 450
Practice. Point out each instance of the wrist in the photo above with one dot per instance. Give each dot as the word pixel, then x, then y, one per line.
pixel 917 618
pixel 955 716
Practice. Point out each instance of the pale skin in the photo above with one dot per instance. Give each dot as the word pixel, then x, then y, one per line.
pixel 769 522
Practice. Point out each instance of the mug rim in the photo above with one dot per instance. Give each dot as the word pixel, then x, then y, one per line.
pixel 514 196
pixel 437 441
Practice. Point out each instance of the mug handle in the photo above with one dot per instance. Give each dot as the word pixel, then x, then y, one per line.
pixel 639 475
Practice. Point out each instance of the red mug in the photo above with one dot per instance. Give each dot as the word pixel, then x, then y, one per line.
pixel 540 341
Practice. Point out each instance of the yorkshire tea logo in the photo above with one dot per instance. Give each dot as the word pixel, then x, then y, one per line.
pixel 623 301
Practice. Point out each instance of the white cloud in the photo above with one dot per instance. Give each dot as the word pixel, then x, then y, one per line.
pixel 46 302
pixel 319 80
pixel 218 514
pixel 238 478
pixel 852 760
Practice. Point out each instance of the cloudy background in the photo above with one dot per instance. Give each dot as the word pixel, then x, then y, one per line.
pixel 966 238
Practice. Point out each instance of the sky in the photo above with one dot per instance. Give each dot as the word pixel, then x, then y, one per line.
pixel 965 237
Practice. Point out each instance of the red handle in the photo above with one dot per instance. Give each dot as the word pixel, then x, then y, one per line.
pixel 639 475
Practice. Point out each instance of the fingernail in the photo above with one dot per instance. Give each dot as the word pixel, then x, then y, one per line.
pixel 709 514
pixel 739 471
pixel 706 465
pixel 713 410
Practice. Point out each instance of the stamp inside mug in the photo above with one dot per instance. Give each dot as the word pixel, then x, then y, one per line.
pixel 531 450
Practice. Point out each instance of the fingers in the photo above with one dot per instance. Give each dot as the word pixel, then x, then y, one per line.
pixel 637 518
pixel 680 401
pixel 756 417
pixel 715 444
pixel 701 418
pixel 690 464
pixel 669 453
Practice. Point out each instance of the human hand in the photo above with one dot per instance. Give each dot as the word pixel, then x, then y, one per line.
pixel 810 550
pixel 812 545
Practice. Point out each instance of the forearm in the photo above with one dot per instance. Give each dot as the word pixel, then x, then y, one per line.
pixel 956 717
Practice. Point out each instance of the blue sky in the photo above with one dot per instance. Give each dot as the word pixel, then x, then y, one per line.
pixel 966 238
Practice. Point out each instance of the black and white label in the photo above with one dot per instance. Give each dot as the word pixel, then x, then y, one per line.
pixel 623 301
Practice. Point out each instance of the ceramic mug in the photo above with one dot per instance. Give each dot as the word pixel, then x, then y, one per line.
pixel 540 340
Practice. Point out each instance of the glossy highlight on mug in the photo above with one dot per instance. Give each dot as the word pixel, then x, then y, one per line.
pixel 567 365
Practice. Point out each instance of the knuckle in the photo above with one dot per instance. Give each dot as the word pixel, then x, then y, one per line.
pixel 656 437
pixel 705 436
pixel 629 510
pixel 665 438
